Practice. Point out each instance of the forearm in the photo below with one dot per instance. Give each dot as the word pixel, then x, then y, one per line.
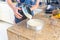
pixel 11 4
pixel 35 6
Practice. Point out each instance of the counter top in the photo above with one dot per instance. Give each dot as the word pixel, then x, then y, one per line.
pixel 49 32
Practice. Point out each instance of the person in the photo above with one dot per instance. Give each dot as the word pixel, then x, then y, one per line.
pixel 33 4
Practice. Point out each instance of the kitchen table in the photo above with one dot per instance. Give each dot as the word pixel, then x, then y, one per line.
pixel 20 32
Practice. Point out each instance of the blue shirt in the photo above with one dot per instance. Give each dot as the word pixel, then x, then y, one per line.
pixel 27 2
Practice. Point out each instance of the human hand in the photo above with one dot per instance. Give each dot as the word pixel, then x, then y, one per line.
pixel 16 13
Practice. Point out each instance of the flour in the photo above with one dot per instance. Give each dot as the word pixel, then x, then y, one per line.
pixel 35 22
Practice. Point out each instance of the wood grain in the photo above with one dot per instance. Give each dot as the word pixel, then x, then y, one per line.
pixel 20 32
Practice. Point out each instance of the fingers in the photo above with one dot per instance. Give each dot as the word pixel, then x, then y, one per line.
pixel 19 8
pixel 18 15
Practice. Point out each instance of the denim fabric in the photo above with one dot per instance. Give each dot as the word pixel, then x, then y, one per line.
pixel 29 3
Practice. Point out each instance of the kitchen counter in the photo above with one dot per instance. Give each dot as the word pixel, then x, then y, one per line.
pixel 20 32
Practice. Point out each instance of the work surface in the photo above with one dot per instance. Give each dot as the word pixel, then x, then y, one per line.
pixel 49 32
